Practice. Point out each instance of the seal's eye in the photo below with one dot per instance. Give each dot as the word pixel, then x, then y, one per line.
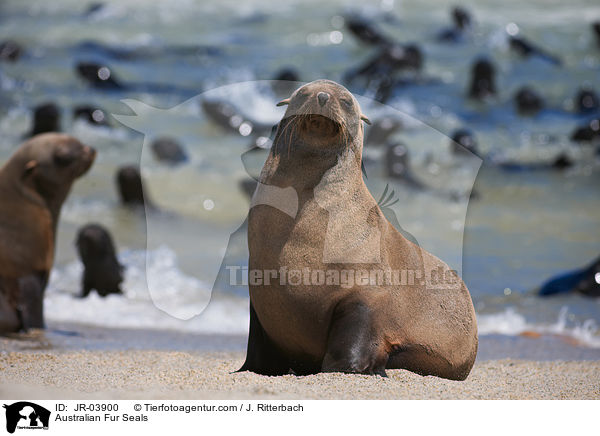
pixel 347 102
pixel 63 158
pixel 302 95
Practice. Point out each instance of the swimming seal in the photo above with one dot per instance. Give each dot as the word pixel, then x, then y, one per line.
pixel 461 22
pixel 33 186
pixel 584 281
pixel 168 150
pixel 587 101
pixel 321 225
pixel 397 160
pixel 10 51
pixel 483 80
pixel 102 270
pixel 528 102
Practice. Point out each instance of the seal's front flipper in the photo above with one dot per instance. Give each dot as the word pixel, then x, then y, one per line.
pixel 31 302
pixel 351 346
pixel 262 356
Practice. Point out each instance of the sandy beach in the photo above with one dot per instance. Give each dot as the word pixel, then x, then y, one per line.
pixel 180 375
pixel 76 362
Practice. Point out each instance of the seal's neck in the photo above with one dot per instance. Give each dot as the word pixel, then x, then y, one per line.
pixel 306 171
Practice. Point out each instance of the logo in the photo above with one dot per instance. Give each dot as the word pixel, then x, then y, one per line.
pixel 26 415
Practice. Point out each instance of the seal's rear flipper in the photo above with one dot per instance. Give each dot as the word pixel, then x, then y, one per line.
pixel 262 356
pixel 351 346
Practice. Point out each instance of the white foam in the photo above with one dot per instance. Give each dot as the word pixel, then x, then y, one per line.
pixel 511 323
pixel 182 293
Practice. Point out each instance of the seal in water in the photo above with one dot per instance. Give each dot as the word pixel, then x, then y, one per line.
pixel 312 225
pixel 168 150
pixel 483 80
pixel 585 281
pixel 528 102
pixel 33 186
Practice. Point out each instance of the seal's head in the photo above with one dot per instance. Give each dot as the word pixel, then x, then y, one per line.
pixel 49 163
pixel 321 116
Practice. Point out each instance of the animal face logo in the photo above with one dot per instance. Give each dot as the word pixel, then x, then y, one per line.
pixel 26 415
pixel 239 124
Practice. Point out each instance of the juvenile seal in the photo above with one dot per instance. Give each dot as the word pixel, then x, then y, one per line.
pixel 528 102
pixel 46 118
pixel 99 76
pixel 130 187
pixel 483 80
pixel 526 49
pixel 366 31
pixel 587 101
pixel 326 221
pixel 461 22
pixel 33 186
pixel 10 51
pixel 102 270
pixel 168 150
pixel 397 160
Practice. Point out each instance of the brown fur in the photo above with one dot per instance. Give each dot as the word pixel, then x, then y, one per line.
pixel 420 327
pixel 33 186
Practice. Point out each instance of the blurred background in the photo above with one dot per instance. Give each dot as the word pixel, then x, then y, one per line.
pixel 514 204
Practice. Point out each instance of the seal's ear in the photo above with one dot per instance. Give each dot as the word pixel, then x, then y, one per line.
pixel 29 167
pixel 284 102
pixel 365 119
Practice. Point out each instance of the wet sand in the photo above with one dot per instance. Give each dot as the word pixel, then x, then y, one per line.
pixel 75 361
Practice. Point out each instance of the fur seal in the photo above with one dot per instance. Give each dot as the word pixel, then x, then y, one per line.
pixel 585 281
pixel 130 187
pixel 46 118
pixel 483 80
pixel 226 116
pixel 461 22
pixel 596 31
pixel 33 186
pixel 365 31
pixel 397 160
pixel 588 132
pixel 168 150
pixel 10 51
pixel 526 49
pixel 102 270
pixel 99 76
pixel 326 221
pixel 284 81
pixel 587 101
pixel 528 102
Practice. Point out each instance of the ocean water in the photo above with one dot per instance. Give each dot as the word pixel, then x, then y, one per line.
pixel 523 227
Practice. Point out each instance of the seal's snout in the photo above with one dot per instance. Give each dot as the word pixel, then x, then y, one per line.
pixel 323 97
